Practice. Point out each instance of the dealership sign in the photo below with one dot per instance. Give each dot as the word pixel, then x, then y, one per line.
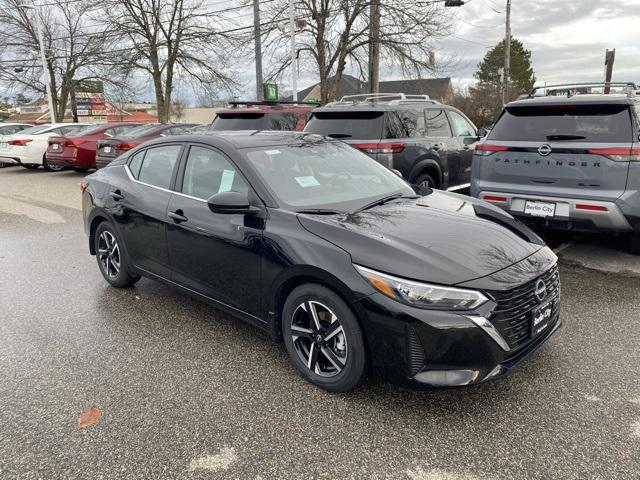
pixel 90 100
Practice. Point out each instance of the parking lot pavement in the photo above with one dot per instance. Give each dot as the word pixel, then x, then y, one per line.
pixel 188 392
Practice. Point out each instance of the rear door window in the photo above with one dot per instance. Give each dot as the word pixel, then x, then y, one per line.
pixel 437 123
pixel 577 123
pixel 360 125
pixel 158 164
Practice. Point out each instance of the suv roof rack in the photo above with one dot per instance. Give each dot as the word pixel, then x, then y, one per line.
pixel 248 103
pixel 629 87
pixel 389 98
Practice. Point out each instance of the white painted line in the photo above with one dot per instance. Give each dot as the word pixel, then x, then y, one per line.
pixel 562 247
pixel 220 461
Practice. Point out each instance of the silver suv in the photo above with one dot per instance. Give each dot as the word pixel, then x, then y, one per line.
pixel 566 160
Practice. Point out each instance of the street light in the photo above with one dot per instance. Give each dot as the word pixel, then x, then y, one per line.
pixel 52 113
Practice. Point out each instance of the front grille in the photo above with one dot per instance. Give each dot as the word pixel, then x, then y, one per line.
pixel 415 352
pixel 513 315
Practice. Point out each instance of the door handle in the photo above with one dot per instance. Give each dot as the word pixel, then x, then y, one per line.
pixel 178 216
pixel 116 195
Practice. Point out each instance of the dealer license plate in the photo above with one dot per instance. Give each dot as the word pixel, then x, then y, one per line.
pixel 542 317
pixel 539 209
pixel 107 149
pixel 55 146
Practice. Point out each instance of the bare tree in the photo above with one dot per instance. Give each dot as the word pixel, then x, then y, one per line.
pixel 168 39
pixel 336 36
pixel 74 50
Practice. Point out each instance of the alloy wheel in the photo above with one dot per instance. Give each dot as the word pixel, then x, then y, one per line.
pixel 427 184
pixel 319 339
pixel 109 254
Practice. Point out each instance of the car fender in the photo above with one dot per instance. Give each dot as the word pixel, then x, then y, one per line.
pixel 431 160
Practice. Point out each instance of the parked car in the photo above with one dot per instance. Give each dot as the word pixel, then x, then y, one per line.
pixel 327 250
pixel 430 144
pixel 78 151
pixel 28 147
pixel 10 129
pixel 199 129
pixel 288 116
pixel 566 162
pixel 111 148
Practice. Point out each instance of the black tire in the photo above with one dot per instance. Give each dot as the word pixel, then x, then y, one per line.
pixel 112 261
pixel 30 166
pixel 50 168
pixel 426 180
pixel 81 169
pixel 633 243
pixel 333 356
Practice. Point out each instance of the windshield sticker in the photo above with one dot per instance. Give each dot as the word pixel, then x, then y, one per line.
pixel 309 181
pixel 272 152
pixel 226 182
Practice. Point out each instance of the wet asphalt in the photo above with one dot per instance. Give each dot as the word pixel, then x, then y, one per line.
pixel 186 391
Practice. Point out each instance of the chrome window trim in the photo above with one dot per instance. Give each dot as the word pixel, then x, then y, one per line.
pixel 490 330
pixel 135 180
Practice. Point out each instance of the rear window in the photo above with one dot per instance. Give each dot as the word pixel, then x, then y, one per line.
pixel 572 123
pixel 140 131
pixel 255 121
pixel 360 125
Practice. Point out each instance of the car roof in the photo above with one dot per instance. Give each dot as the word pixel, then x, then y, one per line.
pixel 382 107
pixel 245 138
pixel 589 99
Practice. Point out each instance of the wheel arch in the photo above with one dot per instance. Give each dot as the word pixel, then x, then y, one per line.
pixel 93 226
pixel 427 165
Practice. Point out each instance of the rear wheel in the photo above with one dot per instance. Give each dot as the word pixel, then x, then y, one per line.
pixel 323 338
pixel 50 168
pixel 425 180
pixel 112 259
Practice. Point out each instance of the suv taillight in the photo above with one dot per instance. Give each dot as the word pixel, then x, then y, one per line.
pixel 374 148
pixel 485 149
pixel 617 154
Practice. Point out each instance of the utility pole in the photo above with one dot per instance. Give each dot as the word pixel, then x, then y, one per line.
pixel 294 60
pixel 258 45
pixel 374 47
pixel 609 59
pixel 507 55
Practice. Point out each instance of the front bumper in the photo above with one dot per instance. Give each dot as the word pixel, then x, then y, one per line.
pixel 609 217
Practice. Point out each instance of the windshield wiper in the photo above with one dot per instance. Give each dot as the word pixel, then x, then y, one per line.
pixel 321 211
pixel 382 201
pixel 339 135
pixel 565 137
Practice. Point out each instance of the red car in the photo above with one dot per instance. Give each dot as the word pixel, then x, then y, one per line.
pixel 79 151
pixel 111 148
pixel 291 116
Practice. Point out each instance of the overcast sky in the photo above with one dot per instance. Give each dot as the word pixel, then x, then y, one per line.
pixel 568 38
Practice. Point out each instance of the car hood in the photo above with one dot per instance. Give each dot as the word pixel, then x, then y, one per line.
pixel 442 238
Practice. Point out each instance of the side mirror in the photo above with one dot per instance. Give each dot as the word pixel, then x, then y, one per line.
pixel 230 203
pixel 482 132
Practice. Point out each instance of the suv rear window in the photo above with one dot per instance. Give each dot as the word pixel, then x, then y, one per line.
pixel 578 123
pixel 360 125
pixel 255 121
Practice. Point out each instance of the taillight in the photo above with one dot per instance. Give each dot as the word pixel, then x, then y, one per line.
pixel 126 146
pixel 19 143
pixel 485 149
pixel 69 143
pixel 83 185
pixel 374 148
pixel 494 198
pixel 617 154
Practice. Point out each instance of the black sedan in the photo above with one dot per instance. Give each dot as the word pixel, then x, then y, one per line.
pixel 330 252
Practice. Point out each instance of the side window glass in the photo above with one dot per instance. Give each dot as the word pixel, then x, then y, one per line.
pixel 157 167
pixel 208 172
pixel 402 124
pixel 437 123
pixel 136 162
pixel 461 127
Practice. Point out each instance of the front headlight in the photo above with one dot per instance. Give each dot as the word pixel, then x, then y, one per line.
pixel 422 295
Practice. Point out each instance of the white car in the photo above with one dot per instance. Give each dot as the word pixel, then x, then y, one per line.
pixel 28 147
pixel 10 129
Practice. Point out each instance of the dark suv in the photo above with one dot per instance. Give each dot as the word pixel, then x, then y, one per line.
pixel 286 116
pixel 430 144
pixel 567 161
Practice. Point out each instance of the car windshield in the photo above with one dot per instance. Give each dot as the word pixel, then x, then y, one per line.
pixel 577 123
pixel 140 131
pixel 324 175
pixel 255 121
pixel 35 130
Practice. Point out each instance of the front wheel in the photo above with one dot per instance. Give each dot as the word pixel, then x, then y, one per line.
pixel 323 338
pixel 112 259
pixel 426 181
